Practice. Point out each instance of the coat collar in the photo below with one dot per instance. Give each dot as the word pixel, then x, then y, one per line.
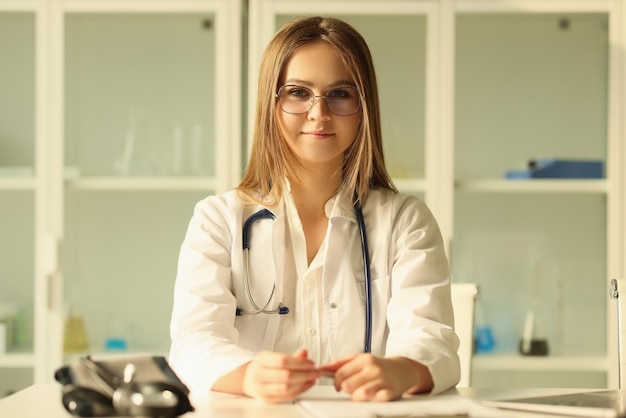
pixel 339 206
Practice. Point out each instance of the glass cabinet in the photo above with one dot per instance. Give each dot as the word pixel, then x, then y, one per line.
pixel 533 86
pixel 138 105
pixel 475 90
pixel 117 117
pixel 148 90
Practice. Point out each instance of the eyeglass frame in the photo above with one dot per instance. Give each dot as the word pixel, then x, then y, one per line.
pixel 315 97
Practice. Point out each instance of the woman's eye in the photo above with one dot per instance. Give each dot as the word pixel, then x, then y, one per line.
pixel 339 94
pixel 300 93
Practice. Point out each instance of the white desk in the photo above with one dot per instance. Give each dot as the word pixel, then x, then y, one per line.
pixel 44 400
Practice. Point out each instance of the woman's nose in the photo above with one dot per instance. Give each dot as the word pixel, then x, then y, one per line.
pixel 319 110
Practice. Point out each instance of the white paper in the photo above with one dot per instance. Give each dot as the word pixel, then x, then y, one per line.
pixel 324 402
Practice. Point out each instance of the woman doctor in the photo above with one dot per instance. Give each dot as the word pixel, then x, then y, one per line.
pixel 271 330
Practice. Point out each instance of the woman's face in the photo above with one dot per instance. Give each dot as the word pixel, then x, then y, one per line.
pixel 318 136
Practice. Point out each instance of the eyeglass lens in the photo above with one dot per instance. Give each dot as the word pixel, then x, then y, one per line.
pixel 341 101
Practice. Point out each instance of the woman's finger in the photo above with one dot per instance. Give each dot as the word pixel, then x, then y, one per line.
pixel 286 376
pixel 283 361
pixel 275 377
pixel 278 392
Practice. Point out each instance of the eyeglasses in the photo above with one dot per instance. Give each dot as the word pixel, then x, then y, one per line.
pixel 341 101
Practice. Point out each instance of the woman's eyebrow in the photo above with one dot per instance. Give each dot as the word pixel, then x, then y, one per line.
pixel 305 83
pixel 299 82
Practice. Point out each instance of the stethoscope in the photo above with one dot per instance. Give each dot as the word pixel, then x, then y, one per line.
pixel 283 310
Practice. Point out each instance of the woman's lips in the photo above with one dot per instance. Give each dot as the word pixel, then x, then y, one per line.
pixel 318 134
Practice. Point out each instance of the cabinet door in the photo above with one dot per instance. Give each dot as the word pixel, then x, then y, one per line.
pixel 532 86
pixel 151 126
pixel 401 38
pixel 17 197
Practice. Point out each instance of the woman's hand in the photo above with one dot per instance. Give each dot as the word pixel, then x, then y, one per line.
pixel 369 378
pixel 275 377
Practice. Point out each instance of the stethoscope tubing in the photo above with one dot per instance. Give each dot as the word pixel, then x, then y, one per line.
pixel 262 214
pixel 367 346
pixel 281 310
pixel 247 226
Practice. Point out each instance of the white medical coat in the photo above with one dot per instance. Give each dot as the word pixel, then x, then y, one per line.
pixel 412 309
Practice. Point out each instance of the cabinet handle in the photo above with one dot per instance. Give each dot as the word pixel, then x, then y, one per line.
pixel 50 260
pixel 53 292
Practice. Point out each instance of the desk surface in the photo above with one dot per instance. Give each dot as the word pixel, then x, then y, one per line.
pixel 43 400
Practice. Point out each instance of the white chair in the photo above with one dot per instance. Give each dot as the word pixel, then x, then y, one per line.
pixel 463 301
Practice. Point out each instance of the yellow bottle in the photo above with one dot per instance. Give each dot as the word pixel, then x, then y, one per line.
pixel 75 335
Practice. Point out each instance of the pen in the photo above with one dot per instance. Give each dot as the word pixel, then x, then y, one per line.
pixel 327 373
pixel 416 416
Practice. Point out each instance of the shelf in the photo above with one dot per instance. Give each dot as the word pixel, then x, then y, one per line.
pixel 13 183
pixel 533 186
pixel 508 362
pixel 17 178
pixel 142 183
pixel 17 360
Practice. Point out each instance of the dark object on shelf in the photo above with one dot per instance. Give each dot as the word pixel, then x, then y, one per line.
pixel 534 348
pixel 552 168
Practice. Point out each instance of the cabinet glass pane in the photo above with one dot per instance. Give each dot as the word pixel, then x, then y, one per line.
pixel 120 263
pixel 398 46
pixel 537 252
pixel 17 262
pixel 17 100
pixel 529 86
pixel 140 94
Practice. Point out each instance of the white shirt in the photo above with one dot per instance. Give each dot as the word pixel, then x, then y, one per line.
pixel 412 310
pixel 303 294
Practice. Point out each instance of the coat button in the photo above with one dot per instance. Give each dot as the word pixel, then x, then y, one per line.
pixel 333 305
pixel 311 331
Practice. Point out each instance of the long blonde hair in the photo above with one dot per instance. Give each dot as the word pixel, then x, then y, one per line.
pixel 271 160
